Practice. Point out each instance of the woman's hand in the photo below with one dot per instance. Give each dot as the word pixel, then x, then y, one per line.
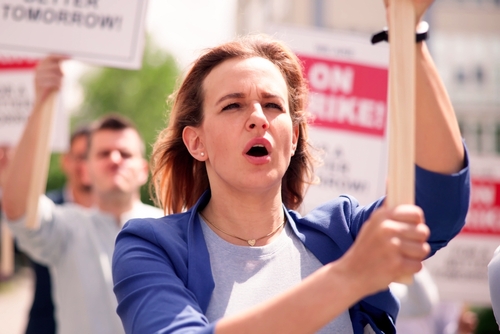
pixel 390 245
pixel 421 7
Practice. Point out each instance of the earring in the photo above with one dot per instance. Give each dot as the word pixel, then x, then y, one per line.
pixel 202 154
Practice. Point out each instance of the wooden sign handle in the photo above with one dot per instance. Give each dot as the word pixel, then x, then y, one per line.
pixel 401 170
pixel 42 160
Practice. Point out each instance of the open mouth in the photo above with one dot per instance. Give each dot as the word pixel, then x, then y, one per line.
pixel 257 151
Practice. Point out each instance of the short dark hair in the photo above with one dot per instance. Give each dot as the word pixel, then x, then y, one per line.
pixel 115 122
pixel 80 131
pixel 112 121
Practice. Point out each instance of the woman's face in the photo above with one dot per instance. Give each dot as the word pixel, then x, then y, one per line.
pixel 247 133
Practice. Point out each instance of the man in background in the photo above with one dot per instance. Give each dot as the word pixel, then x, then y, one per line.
pixel 76 243
pixel 77 188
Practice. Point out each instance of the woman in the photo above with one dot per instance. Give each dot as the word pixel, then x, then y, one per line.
pixel 240 259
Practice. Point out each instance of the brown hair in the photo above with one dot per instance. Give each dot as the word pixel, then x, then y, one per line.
pixel 81 131
pixel 178 180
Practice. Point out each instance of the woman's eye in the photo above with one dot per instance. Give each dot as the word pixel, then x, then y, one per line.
pixel 274 105
pixel 231 106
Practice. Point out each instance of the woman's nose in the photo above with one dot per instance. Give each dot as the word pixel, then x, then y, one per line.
pixel 257 118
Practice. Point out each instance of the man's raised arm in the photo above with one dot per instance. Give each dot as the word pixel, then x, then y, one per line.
pixel 48 77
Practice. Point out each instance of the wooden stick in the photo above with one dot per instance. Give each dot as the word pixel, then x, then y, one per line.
pixel 6 252
pixel 402 86
pixel 42 159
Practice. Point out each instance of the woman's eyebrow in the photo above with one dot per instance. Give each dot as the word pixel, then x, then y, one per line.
pixel 230 96
pixel 271 95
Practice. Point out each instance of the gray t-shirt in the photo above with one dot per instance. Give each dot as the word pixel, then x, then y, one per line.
pixel 77 246
pixel 246 276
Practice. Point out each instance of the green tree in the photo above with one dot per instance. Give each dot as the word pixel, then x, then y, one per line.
pixel 140 95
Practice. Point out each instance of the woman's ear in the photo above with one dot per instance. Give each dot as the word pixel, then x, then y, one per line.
pixel 194 143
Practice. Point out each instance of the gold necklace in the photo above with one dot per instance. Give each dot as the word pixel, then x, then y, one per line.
pixel 251 242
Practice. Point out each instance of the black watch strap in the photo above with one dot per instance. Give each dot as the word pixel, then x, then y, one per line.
pixel 421 35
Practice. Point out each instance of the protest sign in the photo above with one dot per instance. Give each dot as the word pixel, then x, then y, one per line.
pixel 348 92
pixel 101 32
pixel 460 269
pixel 16 100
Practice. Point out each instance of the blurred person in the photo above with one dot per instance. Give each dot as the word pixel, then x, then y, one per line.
pixel 422 311
pixel 454 317
pixel 73 163
pixel 76 190
pixel 233 165
pixel 76 243
pixel 418 301
pixel 494 282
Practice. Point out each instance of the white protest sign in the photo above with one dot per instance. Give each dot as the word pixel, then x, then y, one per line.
pixel 16 100
pixel 460 269
pixel 102 32
pixel 348 91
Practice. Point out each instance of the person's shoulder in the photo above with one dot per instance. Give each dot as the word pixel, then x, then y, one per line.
pixel 339 215
pixel 343 204
pixel 495 260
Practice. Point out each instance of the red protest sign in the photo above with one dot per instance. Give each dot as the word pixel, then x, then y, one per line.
pixel 484 212
pixel 347 96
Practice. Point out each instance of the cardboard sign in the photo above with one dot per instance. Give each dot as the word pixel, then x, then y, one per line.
pixel 102 32
pixel 16 100
pixel 460 269
pixel 347 79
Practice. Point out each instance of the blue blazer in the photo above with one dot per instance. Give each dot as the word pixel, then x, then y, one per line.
pixel 161 267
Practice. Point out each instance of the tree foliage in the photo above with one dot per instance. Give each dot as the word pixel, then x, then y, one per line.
pixel 140 95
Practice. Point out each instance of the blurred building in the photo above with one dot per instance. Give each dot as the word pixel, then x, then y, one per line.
pixel 466 47
pixel 464 40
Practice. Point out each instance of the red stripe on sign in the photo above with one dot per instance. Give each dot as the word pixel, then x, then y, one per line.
pixel 8 63
pixel 484 211
pixel 347 96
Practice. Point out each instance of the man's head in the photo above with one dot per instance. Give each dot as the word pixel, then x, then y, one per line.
pixel 116 164
pixel 74 161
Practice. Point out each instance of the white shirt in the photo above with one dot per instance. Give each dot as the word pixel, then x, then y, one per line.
pixel 77 244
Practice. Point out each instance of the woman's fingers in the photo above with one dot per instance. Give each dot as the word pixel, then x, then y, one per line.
pixel 407 228
pixel 391 244
pixel 414 250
